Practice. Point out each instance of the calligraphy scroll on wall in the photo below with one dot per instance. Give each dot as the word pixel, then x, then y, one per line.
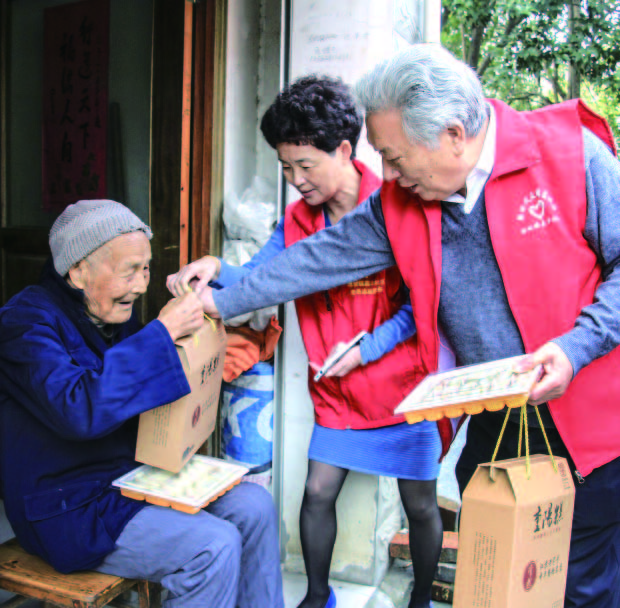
pixel 75 102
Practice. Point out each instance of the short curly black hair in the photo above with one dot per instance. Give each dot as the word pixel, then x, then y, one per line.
pixel 317 111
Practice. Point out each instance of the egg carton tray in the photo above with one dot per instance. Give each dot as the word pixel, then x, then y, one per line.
pixel 469 390
pixel 201 481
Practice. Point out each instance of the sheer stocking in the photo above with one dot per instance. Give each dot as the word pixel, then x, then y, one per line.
pixel 318 528
pixel 425 535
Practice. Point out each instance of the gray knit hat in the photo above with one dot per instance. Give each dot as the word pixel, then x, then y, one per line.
pixel 87 225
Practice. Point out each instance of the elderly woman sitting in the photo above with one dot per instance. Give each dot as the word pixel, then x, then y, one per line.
pixel 76 369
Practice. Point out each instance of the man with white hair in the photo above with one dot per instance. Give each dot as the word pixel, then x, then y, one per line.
pixel 76 370
pixel 505 227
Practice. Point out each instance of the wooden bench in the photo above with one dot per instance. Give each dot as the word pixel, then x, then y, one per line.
pixel 29 577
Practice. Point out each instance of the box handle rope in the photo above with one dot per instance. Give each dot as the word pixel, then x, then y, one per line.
pixel 522 426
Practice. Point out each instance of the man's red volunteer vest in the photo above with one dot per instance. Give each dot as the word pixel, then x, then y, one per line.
pixel 367 396
pixel 536 208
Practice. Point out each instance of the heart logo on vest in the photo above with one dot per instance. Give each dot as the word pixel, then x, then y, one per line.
pixel 538 210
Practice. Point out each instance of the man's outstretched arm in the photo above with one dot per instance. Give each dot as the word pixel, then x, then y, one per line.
pixel 356 247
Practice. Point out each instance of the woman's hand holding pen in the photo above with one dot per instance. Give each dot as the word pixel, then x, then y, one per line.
pixel 348 363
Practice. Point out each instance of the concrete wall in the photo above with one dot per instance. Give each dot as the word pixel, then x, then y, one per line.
pixel 241 85
pixel 252 82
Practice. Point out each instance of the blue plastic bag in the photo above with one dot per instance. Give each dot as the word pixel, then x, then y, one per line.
pixel 247 417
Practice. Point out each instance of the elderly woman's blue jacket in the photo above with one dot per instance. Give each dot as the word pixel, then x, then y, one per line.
pixel 69 402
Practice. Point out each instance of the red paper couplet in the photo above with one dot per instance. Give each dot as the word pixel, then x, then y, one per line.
pixel 75 102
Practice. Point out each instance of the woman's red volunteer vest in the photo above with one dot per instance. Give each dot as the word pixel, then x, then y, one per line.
pixel 367 396
pixel 536 207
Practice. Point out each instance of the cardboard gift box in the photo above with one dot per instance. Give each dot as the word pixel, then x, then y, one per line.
pixel 168 436
pixel 514 535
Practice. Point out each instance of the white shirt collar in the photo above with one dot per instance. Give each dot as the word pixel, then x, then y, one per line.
pixel 479 175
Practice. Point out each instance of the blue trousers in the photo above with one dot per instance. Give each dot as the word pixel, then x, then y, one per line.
pixel 227 555
pixel 593 578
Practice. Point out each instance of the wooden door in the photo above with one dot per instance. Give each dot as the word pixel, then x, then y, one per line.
pixel 187 136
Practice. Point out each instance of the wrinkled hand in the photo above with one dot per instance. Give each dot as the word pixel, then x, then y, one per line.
pixel 557 373
pixel 205 269
pixel 182 316
pixel 348 363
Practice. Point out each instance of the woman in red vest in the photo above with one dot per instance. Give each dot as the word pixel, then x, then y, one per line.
pixel 314 125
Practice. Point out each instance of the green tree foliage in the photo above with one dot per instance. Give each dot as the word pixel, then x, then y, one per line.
pixel 532 53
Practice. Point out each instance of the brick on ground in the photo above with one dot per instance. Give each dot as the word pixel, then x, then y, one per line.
pixel 442 592
pixel 449 548
pixel 399 547
pixel 446 573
